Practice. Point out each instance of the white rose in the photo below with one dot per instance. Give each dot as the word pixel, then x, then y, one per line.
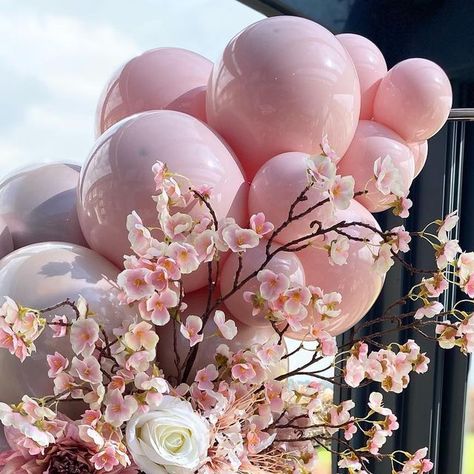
pixel 170 438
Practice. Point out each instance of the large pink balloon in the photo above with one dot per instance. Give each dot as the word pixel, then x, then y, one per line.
pixel 162 78
pixel 357 281
pixel 370 66
pixel 414 99
pixel 284 177
pixel 41 275
pixel 38 204
pixel 196 301
pixel 117 178
pixel 281 85
pixel 420 154
pixel 372 141
pixel 283 262
pixel 6 241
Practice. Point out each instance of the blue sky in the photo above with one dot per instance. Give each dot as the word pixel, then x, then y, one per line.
pixel 56 55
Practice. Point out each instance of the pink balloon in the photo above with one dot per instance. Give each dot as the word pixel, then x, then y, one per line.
pixel 196 301
pixel 6 241
pixel 370 66
pixel 283 262
pixel 117 178
pixel 281 85
pixel 372 141
pixel 414 99
pixel 42 275
pixel 285 176
pixel 38 204
pixel 162 78
pixel 356 281
pixel 420 153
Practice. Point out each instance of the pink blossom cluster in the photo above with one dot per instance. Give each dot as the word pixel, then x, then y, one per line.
pixel 238 413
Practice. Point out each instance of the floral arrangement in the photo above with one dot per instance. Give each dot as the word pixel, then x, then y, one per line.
pixel 246 412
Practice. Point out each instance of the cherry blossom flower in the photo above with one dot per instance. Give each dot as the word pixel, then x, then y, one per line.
pixel 228 329
pixel 429 310
pixel 158 306
pixel 134 283
pixel 376 404
pixel 59 326
pixel 57 363
pixel 244 372
pixel 446 253
pixel 383 260
pixel 400 239
pixel 401 207
pixel 447 225
pixel 185 255
pixel 327 150
pixel 388 177
pixel 239 239
pixel 205 377
pixel 272 285
pixel 139 336
pixel 87 369
pixel 84 335
pixel 190 330
pixel 259 225
pixel 119 408
pixel 339 250
pixel 342 191
pixel 322 171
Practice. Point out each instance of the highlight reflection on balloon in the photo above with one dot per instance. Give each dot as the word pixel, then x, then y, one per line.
pixel 38 204
pixel 41 275
pixel 118 178
pixel 281 85
pixel 283 262
pixel 162 78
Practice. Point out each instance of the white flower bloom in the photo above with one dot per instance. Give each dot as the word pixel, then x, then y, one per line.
pixel 170 438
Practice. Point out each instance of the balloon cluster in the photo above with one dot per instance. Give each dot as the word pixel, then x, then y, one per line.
pixel 282 90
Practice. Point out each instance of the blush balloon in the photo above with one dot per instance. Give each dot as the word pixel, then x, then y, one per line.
pixel 357 281
pixel 39 276
pixel 6 241
pixel 117 178
pixel 414 99
pixel 372 141
pixel 196 301
pixel 38 204
pixel 162 78
pixel 285 176
pixel 370 66
pixel 283 262
pixel 420 154
pixel 281 85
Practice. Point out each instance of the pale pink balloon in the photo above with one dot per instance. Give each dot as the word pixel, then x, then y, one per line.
pixel 283 262
pixel 357 281
pixel 118 179
pixel 420 154
pixel 372 141
pixel 6 241
pixel 162 78
pixel 370 66
pixel 196 301
pixel 414 99
pixel 38 204
pixel 281 85
pixel 41 275
pixel 285 176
